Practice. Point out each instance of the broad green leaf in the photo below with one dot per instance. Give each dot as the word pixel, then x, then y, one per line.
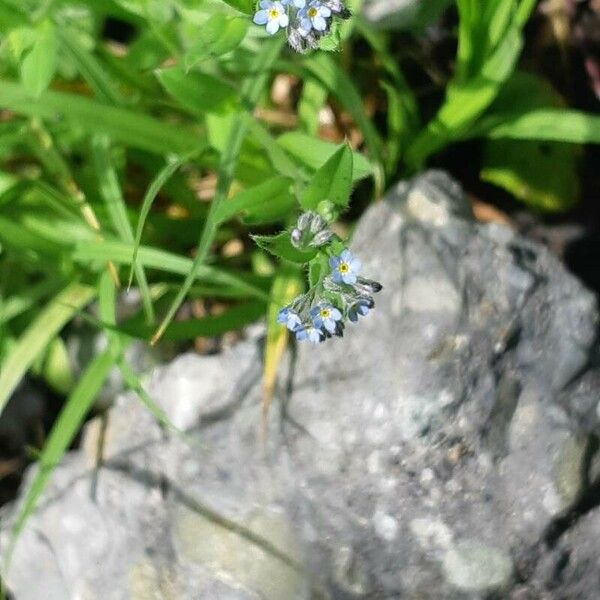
pixel 333 182
pixel 38 67
pixel 219 35
pixel 196 92
pixel 63 432
pixel 280 245
pixel 314 153
pixel 264 203
pixel 38 334
pixel 245 6
pixel 126 126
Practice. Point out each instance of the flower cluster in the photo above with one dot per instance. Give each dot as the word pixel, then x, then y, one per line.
pixel 305 21
pixel 340 294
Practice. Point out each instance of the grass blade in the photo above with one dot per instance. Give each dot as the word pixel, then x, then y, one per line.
pixel 39 333
pixel 110 190
pixel 120 253
pixel 126 126
pixel 159 181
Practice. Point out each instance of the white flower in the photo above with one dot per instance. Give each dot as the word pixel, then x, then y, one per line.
pixel 273 15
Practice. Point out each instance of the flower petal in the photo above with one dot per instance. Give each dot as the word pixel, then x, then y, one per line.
pixel 336 314
pixel 319 23
pixel 261 17
pixel 283 20
pixel 329 324
pixel 273 27
pixel 346 256
pixel 266 3
pixel 355 265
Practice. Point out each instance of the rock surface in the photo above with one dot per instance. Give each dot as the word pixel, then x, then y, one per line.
pixel 445 448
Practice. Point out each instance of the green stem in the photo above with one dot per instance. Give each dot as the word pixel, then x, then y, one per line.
pixel 251 91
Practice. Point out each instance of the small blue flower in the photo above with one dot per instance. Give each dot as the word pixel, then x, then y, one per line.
pixel 310 333
pixel 313 16
pixel 325 316
pixel 360 308
pixel 344 268
pixel 273 15
pixel 289 318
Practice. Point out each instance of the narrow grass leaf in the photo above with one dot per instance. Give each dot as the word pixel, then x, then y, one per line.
pixel 126 126
pixel 38 334
pixel 157 183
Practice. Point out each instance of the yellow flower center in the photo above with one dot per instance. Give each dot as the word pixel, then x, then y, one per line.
pixel 344 268
pixel 312 12
pixel 273 13
pixel 324 313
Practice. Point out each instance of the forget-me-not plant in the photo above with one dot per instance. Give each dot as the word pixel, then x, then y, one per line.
pixel 340 293
pixel 305 21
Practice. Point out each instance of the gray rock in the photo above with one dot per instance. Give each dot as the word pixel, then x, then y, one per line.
pixel 445 448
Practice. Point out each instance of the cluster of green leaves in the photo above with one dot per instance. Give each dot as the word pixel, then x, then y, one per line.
pixel 103 145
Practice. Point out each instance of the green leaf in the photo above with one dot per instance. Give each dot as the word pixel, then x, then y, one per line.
pixel 129 127
pixel 245 6
pixel 265 203
pixel 89 67
pixel 38 67
pixel 251 90
pixel 333 181
pixel 490 43
pixel 281 246
pixel 324 68
pixel 159 181
pixel 101 251
pixel 110 190
pixel 38 334
pixel 542 174
pixel 559 125
pixel 314 153
pixel 198 93
pixel 57 370
pixel 63 432
pixel 220 34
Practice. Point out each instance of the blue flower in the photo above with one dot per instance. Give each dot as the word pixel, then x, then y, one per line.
pixel 273 15
pixel 325 316
pixel 310 333
pixel 344 268
pixel 360 308
pixel 313 16
pixel 289 318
